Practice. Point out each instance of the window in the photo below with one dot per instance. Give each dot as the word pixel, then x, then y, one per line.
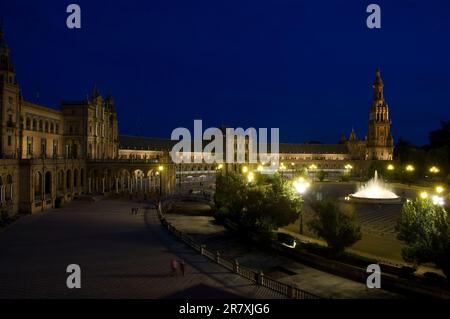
pixel 9 140
pixel 29 146
pixel 55 148
pixel 43 146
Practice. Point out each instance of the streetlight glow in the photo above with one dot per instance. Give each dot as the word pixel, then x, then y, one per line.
pixel 250 177
pixel 301 185
pixel 410 168
pixel 424 195
pixel 161 168
pixel 390 167
pixel 244 169
pixel 434 170
pixel 439 189
pixel 437 200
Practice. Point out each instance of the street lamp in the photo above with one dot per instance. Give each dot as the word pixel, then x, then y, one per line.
pixel 437 200
pixel 160 169
pixel 390 167
pixel 439 189
pixel 260 168
pixel 301 186
pixel 424 195
pixel 434 170
pixel 410 168
pixel 250 177
pixel 348 168
pixel 244 169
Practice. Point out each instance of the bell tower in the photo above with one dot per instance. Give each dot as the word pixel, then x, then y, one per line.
pixel 380 144
pixel 10 102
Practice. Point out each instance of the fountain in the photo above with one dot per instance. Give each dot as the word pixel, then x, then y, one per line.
pixel 375 191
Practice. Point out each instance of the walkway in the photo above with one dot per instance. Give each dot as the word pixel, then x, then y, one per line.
pixel 120 255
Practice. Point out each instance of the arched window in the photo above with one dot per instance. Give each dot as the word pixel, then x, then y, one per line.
pixel 1 189
pixel 38 186
pixel 82 177
pixel 48 184
pixel 75 178
pixel 9 187
pixel 61 181
pixel 28 124
pixel 68 180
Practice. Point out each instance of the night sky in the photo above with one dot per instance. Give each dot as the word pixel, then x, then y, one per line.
pixel 306 67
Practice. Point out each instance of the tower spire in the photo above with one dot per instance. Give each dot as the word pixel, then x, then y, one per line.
pixel 378 86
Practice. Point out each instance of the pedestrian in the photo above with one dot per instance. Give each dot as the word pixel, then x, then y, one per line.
pixel 137 210
pixel 182 264
pixel 132 210
pixel 174 266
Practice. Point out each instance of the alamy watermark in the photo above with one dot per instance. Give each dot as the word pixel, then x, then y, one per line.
pixel 233 145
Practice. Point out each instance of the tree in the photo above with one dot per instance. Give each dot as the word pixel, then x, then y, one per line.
pixel 425 228
pixel 259 207
pixel 441 137
pixel 321 175
pixel 229 196
pixel 337 228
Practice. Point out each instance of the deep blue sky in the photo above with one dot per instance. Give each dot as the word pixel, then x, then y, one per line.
pixel 304 66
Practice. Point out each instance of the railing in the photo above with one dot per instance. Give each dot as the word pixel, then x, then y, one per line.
pixel 232 264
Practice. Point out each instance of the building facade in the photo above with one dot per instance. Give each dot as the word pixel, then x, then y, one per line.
pixel 50 156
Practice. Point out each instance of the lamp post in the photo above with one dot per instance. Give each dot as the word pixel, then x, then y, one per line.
pixel 301 186
pixel 410 170
pixel 348 169
pixel 160 170
pixel 390 169
pixel 434 170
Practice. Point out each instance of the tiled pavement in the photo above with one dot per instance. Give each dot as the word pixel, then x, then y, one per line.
pixel 120 255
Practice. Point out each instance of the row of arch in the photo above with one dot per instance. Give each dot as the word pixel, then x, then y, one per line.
pixel 123 180
pixel 42 126
pixel 6 188
pixel 67 181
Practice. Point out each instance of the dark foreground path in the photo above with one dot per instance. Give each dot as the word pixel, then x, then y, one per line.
pixel 120 255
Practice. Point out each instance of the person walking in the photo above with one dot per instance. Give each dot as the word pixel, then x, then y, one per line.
pixel 174 266
pixel 182 267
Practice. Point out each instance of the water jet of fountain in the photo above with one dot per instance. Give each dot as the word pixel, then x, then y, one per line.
pixel 375 189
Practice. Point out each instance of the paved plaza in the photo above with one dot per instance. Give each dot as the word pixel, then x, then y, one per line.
pixel 120 255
